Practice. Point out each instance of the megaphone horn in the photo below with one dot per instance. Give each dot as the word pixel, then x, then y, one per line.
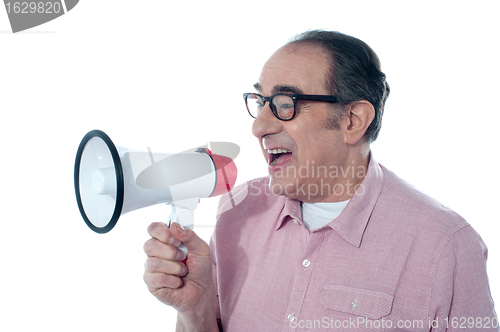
pixel 112 180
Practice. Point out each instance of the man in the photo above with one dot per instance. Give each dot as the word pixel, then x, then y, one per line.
pixel 330 239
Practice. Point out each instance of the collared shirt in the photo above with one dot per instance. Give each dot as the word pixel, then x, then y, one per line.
pixel 393 260
pixel 316 215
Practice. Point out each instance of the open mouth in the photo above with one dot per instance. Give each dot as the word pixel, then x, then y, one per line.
pixel 278 156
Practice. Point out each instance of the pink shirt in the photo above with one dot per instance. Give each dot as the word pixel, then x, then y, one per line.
pixel 394 260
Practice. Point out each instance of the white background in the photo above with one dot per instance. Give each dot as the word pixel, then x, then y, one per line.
pixel 170 75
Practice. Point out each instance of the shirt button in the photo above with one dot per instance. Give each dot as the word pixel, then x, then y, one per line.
pixel 354 305
pixel 306 263
pixel 291 318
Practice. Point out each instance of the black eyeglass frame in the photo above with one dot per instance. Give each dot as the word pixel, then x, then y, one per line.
pixel 295 97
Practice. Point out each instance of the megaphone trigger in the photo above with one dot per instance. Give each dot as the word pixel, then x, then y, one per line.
pixel 181 216
pixel 182 212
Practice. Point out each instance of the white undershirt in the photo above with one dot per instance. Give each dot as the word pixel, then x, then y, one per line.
pixel 316 215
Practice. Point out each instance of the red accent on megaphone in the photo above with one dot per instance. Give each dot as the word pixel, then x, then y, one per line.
pixel 226 174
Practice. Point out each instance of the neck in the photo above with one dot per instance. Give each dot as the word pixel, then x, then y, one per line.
pixel 351 175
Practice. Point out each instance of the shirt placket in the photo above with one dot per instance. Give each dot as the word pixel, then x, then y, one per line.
pixel 303 273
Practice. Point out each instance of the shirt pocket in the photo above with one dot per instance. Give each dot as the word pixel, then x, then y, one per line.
pixel 357 301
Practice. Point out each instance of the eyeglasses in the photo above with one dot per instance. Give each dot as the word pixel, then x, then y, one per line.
pixel 283 105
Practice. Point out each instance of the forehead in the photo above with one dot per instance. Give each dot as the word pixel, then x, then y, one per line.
pixel 301 68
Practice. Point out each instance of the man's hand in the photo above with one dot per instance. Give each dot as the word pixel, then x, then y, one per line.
pixel 189 288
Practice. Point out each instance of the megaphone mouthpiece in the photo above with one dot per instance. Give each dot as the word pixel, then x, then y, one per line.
pixel 226 174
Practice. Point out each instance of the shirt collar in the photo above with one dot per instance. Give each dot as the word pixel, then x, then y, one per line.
pixel 291 208
pixel 352 222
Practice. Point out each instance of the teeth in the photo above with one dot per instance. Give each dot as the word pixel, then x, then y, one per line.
pixel 276 151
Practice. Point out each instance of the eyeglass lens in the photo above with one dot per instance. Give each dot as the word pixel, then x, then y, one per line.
pixel 282 105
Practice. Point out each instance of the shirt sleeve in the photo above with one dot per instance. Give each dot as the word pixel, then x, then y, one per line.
pixel 214 274
pixel 461 298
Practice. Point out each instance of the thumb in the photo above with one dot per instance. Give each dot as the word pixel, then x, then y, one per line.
pixel 194 244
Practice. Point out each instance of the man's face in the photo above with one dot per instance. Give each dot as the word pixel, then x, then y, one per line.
pixel 305 173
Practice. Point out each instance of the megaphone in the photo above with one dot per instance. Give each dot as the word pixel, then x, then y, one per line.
pixel 111 181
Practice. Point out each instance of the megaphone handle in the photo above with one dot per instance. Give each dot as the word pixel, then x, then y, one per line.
pixel 185 218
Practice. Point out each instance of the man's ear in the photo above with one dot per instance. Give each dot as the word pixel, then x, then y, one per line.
pixel 359 117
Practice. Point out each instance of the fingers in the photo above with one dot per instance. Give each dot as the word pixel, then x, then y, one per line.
pixel 162 233
pixel 177 234
pixel 194 244
pixel 156 281
pixel 163 268
pixel 156 248
pixel 157 265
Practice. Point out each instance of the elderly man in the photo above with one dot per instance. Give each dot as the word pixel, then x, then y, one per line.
pixel 330 239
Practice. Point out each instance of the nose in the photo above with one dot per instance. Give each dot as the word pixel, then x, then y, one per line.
pixel 266 123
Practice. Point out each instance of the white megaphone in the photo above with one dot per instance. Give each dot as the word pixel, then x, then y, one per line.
pixel 112 180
